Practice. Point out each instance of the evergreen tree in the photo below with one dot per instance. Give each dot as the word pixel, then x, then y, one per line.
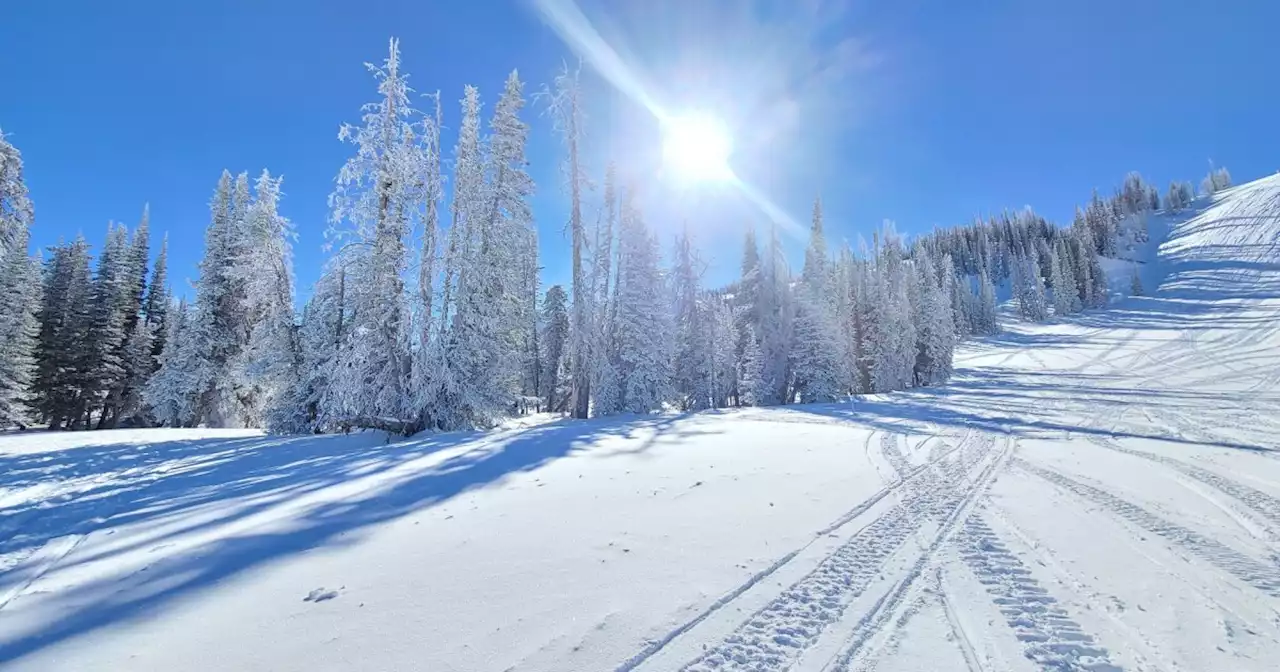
pixel 426 361
pixel 314 402
pixel 377 199
pixel 1066 300
pixel 776 309
pixel 753 389
pixel 986 322
pixel 16 211
pixel 124 399
pixel 20 290
pixel 691 366
pixel 456 310
pixel 156 306
pixel 555 335
pixel 1217 180
pixel 64 319
pixel 213 334
pixel 18 286
pixel 643 320
pixel 935 333
pixel 269 361
pixel 566 107
pixel 817 354
pixel 171 393
pixel 1029 290
pixel 103 355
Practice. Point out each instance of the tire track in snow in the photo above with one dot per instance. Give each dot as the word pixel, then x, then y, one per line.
pixel 1261 502
pixel 893 452
pixel 726 599
pixel 1263 577
pixel 774 636
pixel 967 649
pixel 1048 635
pixel 957 500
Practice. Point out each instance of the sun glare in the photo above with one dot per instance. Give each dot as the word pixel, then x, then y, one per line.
pixel 696 148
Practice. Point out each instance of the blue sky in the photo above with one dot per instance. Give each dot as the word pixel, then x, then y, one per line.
pixel 924 113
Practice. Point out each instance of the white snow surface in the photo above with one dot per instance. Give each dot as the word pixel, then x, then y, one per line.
pixel 1100 493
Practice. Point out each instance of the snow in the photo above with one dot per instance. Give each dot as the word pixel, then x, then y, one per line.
pixel 1101 492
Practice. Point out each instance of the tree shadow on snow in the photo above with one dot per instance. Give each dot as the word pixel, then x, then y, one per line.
pixel 186 487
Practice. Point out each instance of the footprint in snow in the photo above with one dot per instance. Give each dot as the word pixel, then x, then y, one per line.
pixel 320 595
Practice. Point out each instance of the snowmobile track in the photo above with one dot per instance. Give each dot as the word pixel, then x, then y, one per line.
pixel 1261 502
pixel 1261 576
pixel 964 444
pixel 1048 635
pixel 957 498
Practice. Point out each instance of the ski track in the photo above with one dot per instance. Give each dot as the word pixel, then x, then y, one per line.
pixel 775 636
pixel 1252 572
pixel 1049 637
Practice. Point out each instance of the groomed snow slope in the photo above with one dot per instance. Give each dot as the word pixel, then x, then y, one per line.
pixel 1102 493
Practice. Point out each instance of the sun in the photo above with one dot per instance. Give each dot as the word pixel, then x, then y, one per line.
pixel 696 148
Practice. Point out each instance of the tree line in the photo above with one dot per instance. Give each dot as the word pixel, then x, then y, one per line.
pixel 429 312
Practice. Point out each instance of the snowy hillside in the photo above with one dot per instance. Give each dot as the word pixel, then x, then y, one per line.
pixel 1099 493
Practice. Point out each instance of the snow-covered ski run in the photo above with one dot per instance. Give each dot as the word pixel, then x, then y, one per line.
pixel 1098 493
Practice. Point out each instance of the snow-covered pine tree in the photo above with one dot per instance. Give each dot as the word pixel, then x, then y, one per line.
pixel 169 393
pixel 753 390
pixel 936 335
pixel 1029 290
pixel 213 333
pixel 1099 291
pixel 124 399
pixel 817 352
pixel 1066 300
pixel 776 307
pixel 691 366
pixel 554 340
pixel 746 300
pixel 722 343
pixel 379 194
pixel 64 319
pixel 444 407
pixel 1135 283
pixel 1179 196
pixel 16 211
pixel 268 363
pixel 487 338
pixel 985 321
pixel 565 104
pixel 604 375
pixel 20 289
pixel 507 261
pixel 426 356
pixel 1217 180
pixel 156 305
pixel 101 357
pixel 643 321
pixel 315 402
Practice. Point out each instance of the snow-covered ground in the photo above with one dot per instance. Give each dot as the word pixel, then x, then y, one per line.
pixel 1101 493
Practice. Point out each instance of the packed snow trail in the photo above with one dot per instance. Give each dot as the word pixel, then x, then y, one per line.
pixel 1098 493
